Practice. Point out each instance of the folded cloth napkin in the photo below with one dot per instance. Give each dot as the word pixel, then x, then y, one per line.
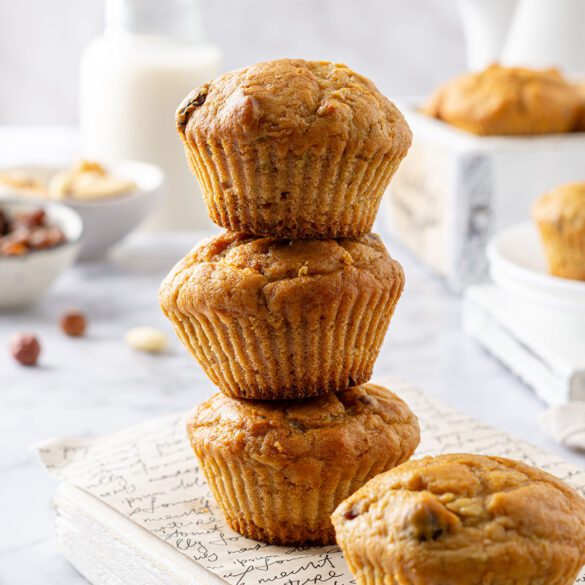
pixel 566 424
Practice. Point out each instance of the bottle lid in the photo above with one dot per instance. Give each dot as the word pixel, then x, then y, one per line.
pixel 177 19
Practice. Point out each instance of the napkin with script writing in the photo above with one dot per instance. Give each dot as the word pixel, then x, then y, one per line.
pixel 566 424
pixel 148 473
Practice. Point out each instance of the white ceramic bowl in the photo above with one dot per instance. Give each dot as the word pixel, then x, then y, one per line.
pixel 518 263
pixel 107 221
pixel 24 279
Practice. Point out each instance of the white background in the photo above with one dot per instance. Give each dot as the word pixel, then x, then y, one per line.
pixel 405 46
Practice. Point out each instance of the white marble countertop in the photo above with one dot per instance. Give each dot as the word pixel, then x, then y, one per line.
pixel 96 385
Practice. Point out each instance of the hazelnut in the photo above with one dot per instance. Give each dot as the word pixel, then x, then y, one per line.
pixel 25 349
pixel 73 323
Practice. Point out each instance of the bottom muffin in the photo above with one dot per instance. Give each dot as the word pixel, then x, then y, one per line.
pixel 278 469
pixel 463 520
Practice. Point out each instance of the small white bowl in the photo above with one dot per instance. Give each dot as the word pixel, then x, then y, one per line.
pixel 24 279
pixel 106 221
pixel 518 264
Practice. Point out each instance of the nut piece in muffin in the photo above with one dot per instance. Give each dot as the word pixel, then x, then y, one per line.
pixel 293 148
pixel 463 520
pixel 560 216
pixel 272 318
pixel 278 469
pixel 507 101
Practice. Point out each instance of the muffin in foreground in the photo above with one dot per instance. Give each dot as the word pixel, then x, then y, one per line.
pixel 269 318
pixel 507 101
pixel 560 216
pixel 463 520
pixel 293 148
pixel 278 469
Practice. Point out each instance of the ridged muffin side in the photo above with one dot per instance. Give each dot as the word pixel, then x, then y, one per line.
pixel 269 318
pixel 560 216
pixel 279 468
pixel 293 148
pixel 464 520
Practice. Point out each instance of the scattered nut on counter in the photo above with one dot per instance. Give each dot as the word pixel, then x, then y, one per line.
pixel 25 349
pixel 73 323
pixel 147 339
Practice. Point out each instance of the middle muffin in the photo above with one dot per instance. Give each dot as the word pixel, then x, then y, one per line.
pixel 269 318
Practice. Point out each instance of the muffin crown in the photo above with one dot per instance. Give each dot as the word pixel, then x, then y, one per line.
pixel 564 204
pixel 458 500
pixel 502 100
pixel 301 103
pixel 363 419
pixel 250 274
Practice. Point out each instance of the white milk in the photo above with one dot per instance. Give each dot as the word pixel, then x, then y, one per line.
pixel 132 80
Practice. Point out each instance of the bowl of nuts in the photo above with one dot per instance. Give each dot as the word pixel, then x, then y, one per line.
pixel 112 198
pixel 37 243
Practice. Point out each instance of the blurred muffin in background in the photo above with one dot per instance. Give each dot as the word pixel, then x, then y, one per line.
pixel 500 101
pixel 560 216
pixel 581 118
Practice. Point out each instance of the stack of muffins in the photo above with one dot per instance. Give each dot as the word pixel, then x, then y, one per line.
pixel 287 309
pixel 286 312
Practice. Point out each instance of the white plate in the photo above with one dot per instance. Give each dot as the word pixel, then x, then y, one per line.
pixel 518 264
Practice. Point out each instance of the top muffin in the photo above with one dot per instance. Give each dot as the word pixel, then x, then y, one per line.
pixel 293 148
pixel 508 101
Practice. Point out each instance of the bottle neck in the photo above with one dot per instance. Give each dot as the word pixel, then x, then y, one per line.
pixel 179 20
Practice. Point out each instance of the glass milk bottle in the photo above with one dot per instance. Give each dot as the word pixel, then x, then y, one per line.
pixel 133 78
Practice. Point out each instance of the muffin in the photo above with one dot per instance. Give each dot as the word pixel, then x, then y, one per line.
pixel 463 520
pixel 278 469
pixel 560 216
pixel 293 148
pixel 271 318
pixel 581 119
pixel 507 101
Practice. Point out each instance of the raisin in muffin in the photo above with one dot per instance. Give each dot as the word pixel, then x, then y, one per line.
pixel 278 469
pixel 560 216
pixel 293 148
pixel 272 318
pixel 463 520
pixel 508 101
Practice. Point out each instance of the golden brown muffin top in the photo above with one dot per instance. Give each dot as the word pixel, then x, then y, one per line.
pixel 507 101
pixel 364 419
pixel 458 506
pixel 249 274
pixel 300 104
pixel 563 206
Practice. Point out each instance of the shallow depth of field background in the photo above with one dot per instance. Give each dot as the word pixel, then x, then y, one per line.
pixel 406 46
